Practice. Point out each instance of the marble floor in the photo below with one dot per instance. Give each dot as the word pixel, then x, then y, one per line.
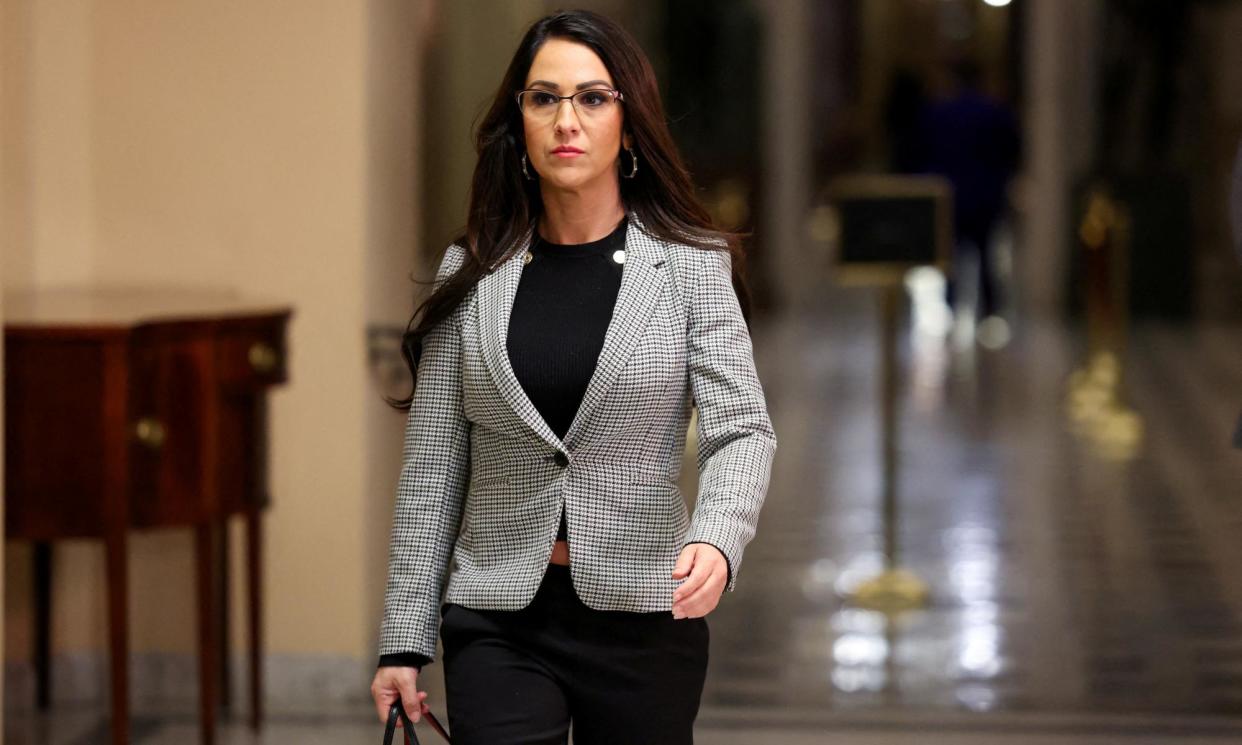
pixel 1080 592
pixel 1065 576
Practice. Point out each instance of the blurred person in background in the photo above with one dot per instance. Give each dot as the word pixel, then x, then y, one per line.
pixel 972 140
pixel 589 304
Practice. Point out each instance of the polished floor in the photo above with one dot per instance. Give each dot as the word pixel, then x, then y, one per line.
pixel 1080 592
pixel 1064 576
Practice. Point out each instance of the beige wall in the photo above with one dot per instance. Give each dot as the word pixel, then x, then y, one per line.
pixel 46 144
pixel 262 144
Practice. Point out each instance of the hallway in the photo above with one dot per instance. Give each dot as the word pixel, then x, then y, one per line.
pixel 1075 598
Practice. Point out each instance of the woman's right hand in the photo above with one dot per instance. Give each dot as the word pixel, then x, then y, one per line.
pixel 392 683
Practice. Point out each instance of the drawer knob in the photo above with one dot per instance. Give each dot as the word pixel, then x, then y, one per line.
pixel 262 357
pixel 150 432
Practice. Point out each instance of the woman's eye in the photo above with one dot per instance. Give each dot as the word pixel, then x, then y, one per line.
pixel 593 98
pixel 543 99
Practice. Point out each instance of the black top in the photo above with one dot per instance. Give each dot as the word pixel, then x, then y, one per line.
pixel 561 312
pixel 560 315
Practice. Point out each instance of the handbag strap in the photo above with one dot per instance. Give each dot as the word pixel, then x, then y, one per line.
pixel 398 711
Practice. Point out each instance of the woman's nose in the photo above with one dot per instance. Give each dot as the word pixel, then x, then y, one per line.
pixel 566 117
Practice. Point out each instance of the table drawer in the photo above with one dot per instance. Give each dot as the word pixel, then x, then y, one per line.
pixel 252 354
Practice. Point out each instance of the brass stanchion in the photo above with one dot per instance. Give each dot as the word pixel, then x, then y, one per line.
pixel 895 589
pixel 883 226
pixel 1094 403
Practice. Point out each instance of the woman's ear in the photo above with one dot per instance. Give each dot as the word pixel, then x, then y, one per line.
pixel 627 141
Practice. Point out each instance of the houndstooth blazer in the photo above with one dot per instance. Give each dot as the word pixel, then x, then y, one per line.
pixel 484 478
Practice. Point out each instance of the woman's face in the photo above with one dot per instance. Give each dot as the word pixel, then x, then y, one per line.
pixel 560 67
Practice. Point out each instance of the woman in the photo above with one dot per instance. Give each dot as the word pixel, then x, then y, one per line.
pixel 588 306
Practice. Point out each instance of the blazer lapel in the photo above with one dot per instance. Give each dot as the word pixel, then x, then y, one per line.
pixel 641 281
pixel 496 292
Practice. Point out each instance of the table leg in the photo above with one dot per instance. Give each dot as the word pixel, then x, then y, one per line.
pixel 42 560
pixel 118 633
pixel 254 562
pixel 222 612
pixel 204 550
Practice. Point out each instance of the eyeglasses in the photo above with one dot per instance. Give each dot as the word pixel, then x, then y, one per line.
pixel 593 103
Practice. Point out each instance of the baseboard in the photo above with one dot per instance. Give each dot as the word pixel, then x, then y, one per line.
pixel 293 683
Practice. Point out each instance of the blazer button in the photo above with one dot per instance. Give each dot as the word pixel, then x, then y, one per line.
pixel 561 459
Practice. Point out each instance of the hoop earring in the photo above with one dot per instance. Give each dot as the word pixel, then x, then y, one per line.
pixel 634 160
pixel 525 172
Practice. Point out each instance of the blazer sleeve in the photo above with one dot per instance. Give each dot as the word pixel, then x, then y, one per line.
pixel 430 490
pixel 736 440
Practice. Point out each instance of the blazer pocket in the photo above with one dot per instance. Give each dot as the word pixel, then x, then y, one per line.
pixel 652 479
pixel 489 482
pixel 657 500
pixel 650 519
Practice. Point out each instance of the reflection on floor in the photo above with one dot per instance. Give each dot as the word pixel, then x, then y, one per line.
pixel 1076 597
pixel 1064 580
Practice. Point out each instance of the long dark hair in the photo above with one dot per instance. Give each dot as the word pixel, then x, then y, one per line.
pixel 504 205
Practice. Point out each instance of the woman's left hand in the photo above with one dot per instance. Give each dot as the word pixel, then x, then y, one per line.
pixel 706 571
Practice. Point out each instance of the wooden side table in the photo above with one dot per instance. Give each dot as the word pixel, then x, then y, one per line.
pixel 142 408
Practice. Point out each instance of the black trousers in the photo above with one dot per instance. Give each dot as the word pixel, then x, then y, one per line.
pixel 520 677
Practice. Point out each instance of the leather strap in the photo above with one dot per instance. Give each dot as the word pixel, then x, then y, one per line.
pixel 398 711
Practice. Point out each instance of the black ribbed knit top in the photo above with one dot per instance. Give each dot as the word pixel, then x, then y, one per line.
pixel 560 314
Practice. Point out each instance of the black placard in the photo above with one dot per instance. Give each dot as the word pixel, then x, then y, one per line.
pixel 890 224
pixel 883 230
